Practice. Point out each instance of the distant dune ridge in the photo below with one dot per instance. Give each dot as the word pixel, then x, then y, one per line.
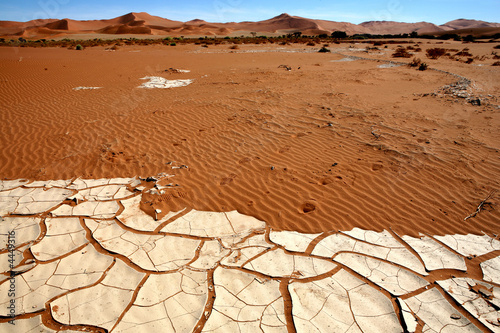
pixel 146 24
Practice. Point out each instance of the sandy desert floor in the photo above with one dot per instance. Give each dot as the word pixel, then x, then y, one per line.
pixel 344 140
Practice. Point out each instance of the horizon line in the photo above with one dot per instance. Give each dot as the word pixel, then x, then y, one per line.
pixel 225 22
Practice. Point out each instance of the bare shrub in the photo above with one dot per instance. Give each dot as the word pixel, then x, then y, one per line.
pixel 464 53
pixel 401 52
pixel 415 62
pixel 435 53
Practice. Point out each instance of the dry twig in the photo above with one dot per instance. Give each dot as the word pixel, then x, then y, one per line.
pixel 375 134
pixel 481 205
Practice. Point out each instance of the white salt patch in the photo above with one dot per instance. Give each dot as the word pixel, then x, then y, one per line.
pixel 86 88
pixel 343 59
pixel 160 82
pixel 389 65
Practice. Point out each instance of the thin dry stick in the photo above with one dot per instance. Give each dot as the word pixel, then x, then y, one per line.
pixel 480 206
pixel 375 134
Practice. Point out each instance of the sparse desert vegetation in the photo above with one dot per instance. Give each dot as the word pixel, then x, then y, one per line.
pixel 401 52
pixel 435 52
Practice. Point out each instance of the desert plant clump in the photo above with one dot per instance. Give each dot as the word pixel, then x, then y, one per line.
pixel 401 52
pixel 173 44
pixel 435 52
pixel 496 63
pixel 324 50
pixel 79 47
pixel 423 66
pixel 311 44
pixel 234 47
pixel 339 34
pixel 415 62
pixel 464 53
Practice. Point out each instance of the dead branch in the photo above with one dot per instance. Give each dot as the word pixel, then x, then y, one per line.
pixel 481 205
pixel 375 134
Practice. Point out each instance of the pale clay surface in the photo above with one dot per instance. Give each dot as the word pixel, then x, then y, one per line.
pixel 470 245
pixel 162 83
pixel 91 263
pixel 434 255
pixel 408 318
pixel 491 270
pixel 477 297
pixel 376 245
pixel 436 312
pixel 341 303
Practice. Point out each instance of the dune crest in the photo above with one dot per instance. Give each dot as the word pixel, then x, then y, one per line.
pixel 146 24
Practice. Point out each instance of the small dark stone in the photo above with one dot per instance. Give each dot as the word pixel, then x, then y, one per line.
pixel 272 168
pixel 335 164
pixel 476 102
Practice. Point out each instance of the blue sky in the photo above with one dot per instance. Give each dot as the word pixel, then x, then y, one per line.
pixel 435 11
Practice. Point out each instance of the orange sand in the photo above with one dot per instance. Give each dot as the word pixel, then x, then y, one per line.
pixel 329 146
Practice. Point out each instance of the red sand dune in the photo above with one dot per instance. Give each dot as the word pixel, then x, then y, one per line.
pixel 144 23
pixel 389 27
pixel 469 24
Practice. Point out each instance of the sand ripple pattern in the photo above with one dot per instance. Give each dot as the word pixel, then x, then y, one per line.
pixel 329 146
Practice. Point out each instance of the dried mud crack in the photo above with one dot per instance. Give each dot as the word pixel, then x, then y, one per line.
pixel 104 265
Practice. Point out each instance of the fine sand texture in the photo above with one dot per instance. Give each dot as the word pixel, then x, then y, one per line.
pixel 328 145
